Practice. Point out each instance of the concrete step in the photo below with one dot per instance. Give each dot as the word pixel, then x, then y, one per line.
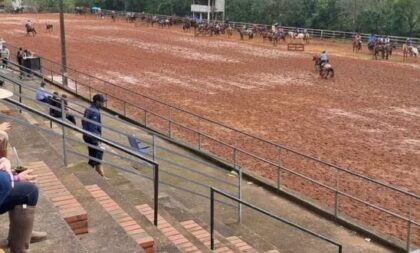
pixel 204 236
pixel 168 230
pixel 131 227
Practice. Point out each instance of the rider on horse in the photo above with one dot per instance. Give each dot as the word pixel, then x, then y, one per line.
pixel 323 58
pixel 28 24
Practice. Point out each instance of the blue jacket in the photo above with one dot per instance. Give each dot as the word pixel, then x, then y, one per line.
pixel 92 113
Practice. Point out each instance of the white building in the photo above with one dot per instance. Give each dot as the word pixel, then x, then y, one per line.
pixel 213 9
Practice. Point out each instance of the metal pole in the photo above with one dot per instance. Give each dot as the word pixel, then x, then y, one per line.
pixel 63 118
pixel 336 194
pixel 199 141
pixel 20 96
pixel 125 108
pixel 211 219
pixel 63 45
pixel 240 196
pixel 170 123
pixel 156 193
pixel 154 147
pixel 409 230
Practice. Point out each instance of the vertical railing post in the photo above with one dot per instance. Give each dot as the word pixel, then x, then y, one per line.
pixel 125 108
pixel 239 194
pixel 145 118
pixel 211 219
pixel 199 141
pixel 170 122
pixel 20 96
pixel 156 193
pixel 408 229
pixel 278 178
pixel 234 157
pixel 154 143
pixel 63 118
pixel 337 178
pixel 52 73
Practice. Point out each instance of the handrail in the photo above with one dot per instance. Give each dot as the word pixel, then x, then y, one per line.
pixel 109 143
pixel 260 210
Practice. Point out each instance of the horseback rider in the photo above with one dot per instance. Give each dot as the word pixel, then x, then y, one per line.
pixel 387 40
pixel 409 42
pixel 323 58
pixel 28 24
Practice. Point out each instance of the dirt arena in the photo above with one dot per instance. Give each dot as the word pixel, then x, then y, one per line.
pixel 366 119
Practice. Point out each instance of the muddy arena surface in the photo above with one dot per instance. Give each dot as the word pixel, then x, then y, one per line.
pixel 366 119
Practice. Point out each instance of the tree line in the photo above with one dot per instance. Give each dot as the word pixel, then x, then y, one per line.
pixel 391 17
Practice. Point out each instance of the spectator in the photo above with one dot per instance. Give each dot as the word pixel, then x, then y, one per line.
pixel 55 103
pixel 69 117
pixel 42 94
pixel 92 123
pixel 18 196
pixel 19 58
pixel 5 56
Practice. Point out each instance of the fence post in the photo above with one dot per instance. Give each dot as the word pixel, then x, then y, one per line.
pixel 154 147
pixel 170 123
pixel 322 34
pixel 156 194
pixel 199 141
pixel 211 219
pixel 409 230
pixel 240 195
pixel 63 118
pixel 20 96
pixel 336 193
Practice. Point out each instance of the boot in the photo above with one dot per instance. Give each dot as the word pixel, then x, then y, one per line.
pixel 36 236
pixel 22 220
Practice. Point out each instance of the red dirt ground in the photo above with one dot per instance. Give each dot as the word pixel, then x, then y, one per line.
pixel 367 118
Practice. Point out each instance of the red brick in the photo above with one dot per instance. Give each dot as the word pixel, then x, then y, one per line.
pixel 65 197
pixel 137 231
pixel 146 242
pixel 74 216
pixel 127 223
pixel 179 241
pixel 80 231
pixel 131 227
pixel 78 224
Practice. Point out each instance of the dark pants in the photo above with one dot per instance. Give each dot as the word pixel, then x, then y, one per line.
pixel 94 152
pixel 5 63
pixel 71 118
pixel 23 193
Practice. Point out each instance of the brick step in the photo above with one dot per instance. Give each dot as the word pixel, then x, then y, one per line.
pixel 69 208
pixel 168 230
pixel 131 227
pixel 203 236
pixel 239 244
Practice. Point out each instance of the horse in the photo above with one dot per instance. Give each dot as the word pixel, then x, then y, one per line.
pixel 18 10
pixel 381 48
pixel 325 70
pixel 357 45
pixel 275 37
pixel 30 29
pixel 246 32
pixel 229 31
pixel 410 51
pixel 130 17
pixel 80 10
pixel 306 37
pixel 49 27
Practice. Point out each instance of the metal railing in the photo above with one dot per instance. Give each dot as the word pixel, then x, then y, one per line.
pixel 232 153
pixel 214 191
pixel 19 93
pixel 66 125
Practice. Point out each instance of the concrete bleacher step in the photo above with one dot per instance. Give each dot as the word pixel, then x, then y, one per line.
pixel 131 227
pixel 240 245
pixel 69 208
pixel 168 230
pixel 204 236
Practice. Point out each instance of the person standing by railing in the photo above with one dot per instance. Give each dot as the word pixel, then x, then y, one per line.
pixel 5 56
pixel 42 94
pixel 91 122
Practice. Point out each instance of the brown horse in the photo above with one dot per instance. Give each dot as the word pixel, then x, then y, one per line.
pixel 49 27
pixel 357 46
pixel 30 29
pixel 325 70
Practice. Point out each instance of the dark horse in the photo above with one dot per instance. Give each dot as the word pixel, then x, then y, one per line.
pixel 49 27
pixel 383 49
pixel 325 70
pixel 30 29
